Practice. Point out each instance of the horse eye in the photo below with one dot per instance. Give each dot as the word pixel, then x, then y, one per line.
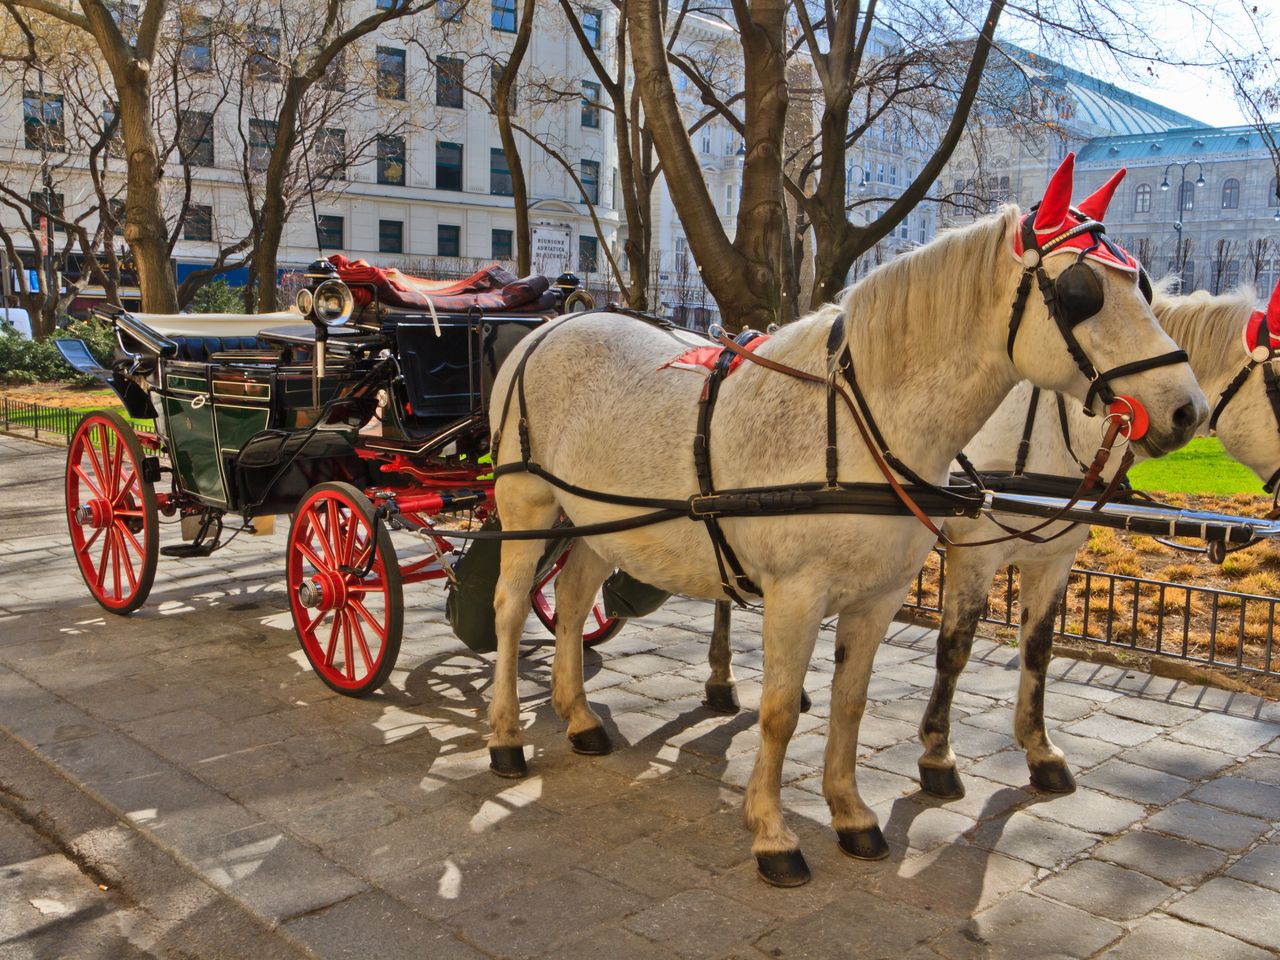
pixel 1079 291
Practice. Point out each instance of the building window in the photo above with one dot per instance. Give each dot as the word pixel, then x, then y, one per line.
pixel 589 173
pixel 199 223
pixel 195 138
pixel 448 83
pixel 448 166
pixel 331 152
pixel 591 26
pixel 42 120
pixel 264 53
pixel 499 173
pixel 331 229
pixel 50 206
pixel 1231 194
pixel 391 160
pixel 730 195
pixel 1273 194
pixel 495 78
pixel 390 73
pixel 391 236
pixel 197 46
pixel 448 240
pixel 335 77
pixel 590 104
pixel 1187 198
pixel 706 139
pixel 588 254
pixel 262 140
pixel 503 247
pixel 503 15
pixel 1142 198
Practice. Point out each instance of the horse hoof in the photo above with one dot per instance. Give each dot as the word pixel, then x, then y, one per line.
pixel 941 782
pixel 868 844
pixel 721 698
pixel 805 702
pixel 592 743
pixel 1052 778
pixel 508 762
pixel 785 869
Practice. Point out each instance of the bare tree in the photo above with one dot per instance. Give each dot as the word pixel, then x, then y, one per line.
pixel 1224 256
pixel 1257 257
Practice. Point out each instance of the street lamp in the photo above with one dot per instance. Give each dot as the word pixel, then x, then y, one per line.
pixel 1182 181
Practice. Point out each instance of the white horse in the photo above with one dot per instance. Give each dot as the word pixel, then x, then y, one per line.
pixel 594 407
pixel 1209 329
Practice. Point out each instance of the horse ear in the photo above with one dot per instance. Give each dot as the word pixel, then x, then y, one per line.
pixel 1273 311
pixel 1095 205
pixel 1057 198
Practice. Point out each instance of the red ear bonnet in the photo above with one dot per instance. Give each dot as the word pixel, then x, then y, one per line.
pixel 1262 330
pixel 1095 205
pixel 1052 214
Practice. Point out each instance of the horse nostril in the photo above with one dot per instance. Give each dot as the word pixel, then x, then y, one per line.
pixel 1186 417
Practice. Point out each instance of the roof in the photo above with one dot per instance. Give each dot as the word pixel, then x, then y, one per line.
pixel 1179 143
pixel 1103 106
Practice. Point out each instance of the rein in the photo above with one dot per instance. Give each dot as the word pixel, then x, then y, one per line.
pixel 1272 381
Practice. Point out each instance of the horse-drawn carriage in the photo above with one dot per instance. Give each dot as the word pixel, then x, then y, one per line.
pixel 359 413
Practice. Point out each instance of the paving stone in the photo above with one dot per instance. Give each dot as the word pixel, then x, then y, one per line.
pixel 1234 735
pixel 1088 810
pixel 1008 767
pixel 1161 938
pixel 1133 782
pixel 1181 760
pixel 1241 796
pixel 1084 752
pixel 1032 839
pixel 1113 729
pixel 1059 705
pixel 1147 710
pixel 1022 926
pixel 1209 825
pixel 373 926
pixel 617 943
pixel 541 918
pixel 1260 865
pixel 857 924
pixel 699 924
pixel 1106 890
pixel 956 879
pixel 1166 858
pixel 1264 769
pixel 1238 909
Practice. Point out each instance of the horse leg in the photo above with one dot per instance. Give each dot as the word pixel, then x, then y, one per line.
pixel 859 633
pixel 792 615
pixel 536 510
pixel 722 697
pixel 576 587
pixel 969 573
pixel 1040 594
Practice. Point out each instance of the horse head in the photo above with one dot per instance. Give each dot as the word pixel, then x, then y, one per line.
pixel 1082 290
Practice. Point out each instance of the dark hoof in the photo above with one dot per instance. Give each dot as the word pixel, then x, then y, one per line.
pixel 1052 778
pixel 593 743
pixel 786 869
pixel 868 844
pixel 941 782
pixel 721 698
pixel 805 702
pixel 508 762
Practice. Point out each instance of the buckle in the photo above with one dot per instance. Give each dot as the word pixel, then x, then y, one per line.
pixel 701 514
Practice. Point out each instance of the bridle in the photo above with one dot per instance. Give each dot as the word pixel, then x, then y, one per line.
pixel 1073 297
pixel 1261 354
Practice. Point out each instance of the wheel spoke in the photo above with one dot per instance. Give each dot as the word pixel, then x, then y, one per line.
pixel 84 547
pixel 365 655
pixel 102 564
pixel 332 647
pixel 322 534
pixel 125 558
pixel 349 540
pixel 117 467
pixel 128 536
pixel 360 608
pixel 348 653
pixel 598 613
pixel 133 479
pixel 79 471
pixel 311 557
pixel 115 568
pixel 92 450
pixel 368 586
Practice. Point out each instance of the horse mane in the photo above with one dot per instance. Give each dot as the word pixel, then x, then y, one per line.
pixel 1207 327
pixel 959 266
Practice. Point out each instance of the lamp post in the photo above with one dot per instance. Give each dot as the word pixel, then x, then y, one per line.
pixel 1177 224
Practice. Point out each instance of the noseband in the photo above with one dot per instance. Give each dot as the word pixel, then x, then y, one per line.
pixel 1072 298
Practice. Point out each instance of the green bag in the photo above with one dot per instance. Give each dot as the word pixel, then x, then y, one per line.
pixel 627 597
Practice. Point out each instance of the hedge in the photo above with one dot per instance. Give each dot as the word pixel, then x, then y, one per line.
pixel 35 361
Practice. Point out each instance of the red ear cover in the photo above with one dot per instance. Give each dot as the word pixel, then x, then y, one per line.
pixel 1273 311
pixel 1053 209
pixel 1095 205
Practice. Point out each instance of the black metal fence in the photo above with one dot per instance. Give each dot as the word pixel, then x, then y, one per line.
pixel 1205 625
pixel 38 419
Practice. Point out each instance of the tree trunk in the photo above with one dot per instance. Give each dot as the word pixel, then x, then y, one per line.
pixel 502 111
pixel 274 206
pixel 146 230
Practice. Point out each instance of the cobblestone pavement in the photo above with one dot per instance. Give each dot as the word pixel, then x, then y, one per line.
pixel 243 795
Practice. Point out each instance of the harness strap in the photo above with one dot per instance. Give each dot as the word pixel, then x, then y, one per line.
pixel 1273 395
pixel 1231 390
pixel 1065 426
pixel 1024 445
pixel 1101 386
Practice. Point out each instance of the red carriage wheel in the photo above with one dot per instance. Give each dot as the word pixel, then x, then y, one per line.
pixel 599 626
pixel 345 589
pixel 111 512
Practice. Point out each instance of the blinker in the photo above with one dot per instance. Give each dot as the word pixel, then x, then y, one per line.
pixel 1079 290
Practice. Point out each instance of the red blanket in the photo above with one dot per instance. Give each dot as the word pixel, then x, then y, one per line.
pixel 700 358
pixel 491 289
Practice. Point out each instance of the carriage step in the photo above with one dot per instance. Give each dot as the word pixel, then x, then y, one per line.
pixel 188 550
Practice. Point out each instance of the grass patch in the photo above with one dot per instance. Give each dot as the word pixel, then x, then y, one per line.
pixel 1200 467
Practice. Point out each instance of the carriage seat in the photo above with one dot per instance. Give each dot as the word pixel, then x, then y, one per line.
pixel 218 337
pixel 215 349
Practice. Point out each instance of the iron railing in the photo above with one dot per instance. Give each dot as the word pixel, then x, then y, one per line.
pixel 1220 628
pixel 36 418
